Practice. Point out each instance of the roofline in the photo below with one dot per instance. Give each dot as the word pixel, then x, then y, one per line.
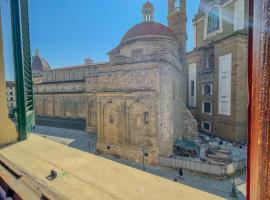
pixel 136 38
pixel 78 66
pixel 61 82
pixel 233 35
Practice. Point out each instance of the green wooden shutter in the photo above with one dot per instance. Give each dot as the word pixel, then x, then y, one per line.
pixel 22 64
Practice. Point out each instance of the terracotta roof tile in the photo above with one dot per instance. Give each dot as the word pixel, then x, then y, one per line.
pixel 148 28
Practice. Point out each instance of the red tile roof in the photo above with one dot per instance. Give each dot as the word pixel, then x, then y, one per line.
pixel 147 29
pixel 39 64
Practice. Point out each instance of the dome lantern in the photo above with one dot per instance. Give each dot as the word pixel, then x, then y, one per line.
pixel 148 12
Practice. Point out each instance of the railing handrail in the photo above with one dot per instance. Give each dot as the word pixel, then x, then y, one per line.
pixel 216 169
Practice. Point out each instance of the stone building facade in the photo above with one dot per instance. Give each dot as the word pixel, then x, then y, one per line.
pixel 11 95
pixel 218 69
pixel 63 93
pixel 137 101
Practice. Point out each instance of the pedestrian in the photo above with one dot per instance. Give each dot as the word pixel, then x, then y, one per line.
pixel 181 173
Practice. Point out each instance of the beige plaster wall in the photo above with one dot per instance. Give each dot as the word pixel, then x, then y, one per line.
pixel 8 132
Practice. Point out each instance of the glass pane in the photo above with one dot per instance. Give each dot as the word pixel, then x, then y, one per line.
pixel 166 94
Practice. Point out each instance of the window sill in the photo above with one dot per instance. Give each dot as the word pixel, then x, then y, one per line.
pixel 212 35
pixel 209 114
pixel 206 131
pixel 81 175
pixel 207 71
pixel 224 115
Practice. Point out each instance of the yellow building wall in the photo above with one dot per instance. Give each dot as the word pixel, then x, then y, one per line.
pixel 8 133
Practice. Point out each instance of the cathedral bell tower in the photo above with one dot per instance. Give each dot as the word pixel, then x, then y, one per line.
pixel 177 20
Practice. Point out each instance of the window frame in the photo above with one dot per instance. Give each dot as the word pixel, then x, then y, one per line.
pixel 192 88
pixel 208 62
pixel 192 76
pixel 254 181
pixel 211 107
pixel 211 89
pixel 213 17
pixel 220 29
pixel 227 76
pixel 177 5
pixel 210 126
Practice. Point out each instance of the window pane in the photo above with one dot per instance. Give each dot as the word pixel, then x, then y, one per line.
pixel 177 5
pixel 206 126
pixel 213 20
pixel 207 107
pixel 192 88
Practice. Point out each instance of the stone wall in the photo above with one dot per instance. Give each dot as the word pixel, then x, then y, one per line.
pixel 128 80
pixel 127 121
pixel 234 126
pixel 74 106
pixel 128 153
pixel 169 113
pixel 72 73
pixel 60 87
pixel 190 125
pixel 226 24
pixel 135 104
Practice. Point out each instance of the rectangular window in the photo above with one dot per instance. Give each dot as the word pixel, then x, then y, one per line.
pixel 192 88
pixel 206 126
pixel 209 62
pixel 213 20
pixel 239 15
pixel 195 34
pixel 192 85
pixel 146 117
pixel 177 5
pixel 225 63
pixel 207 107
pixel 207 89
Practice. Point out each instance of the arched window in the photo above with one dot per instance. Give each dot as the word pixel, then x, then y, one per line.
pixel 213 20
pixel 177 5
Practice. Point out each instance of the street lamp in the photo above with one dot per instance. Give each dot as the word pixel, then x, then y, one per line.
pixel 233 192
pixel 145 154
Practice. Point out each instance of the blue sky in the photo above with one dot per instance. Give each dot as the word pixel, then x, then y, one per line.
pixel 68 31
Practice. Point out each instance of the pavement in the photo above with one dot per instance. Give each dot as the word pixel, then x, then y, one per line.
pixel 75 124
pixel 86 142
pixel 74 138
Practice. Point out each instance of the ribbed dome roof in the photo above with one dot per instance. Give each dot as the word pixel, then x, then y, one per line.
pixel 147 29
pixel 39 64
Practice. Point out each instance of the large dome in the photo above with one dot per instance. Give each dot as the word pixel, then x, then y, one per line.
pixel 148 29
pixel 39 64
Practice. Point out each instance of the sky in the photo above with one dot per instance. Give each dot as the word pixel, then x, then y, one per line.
pixel 68 31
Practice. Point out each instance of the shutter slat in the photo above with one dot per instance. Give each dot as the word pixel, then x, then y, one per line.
pixel 23 69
